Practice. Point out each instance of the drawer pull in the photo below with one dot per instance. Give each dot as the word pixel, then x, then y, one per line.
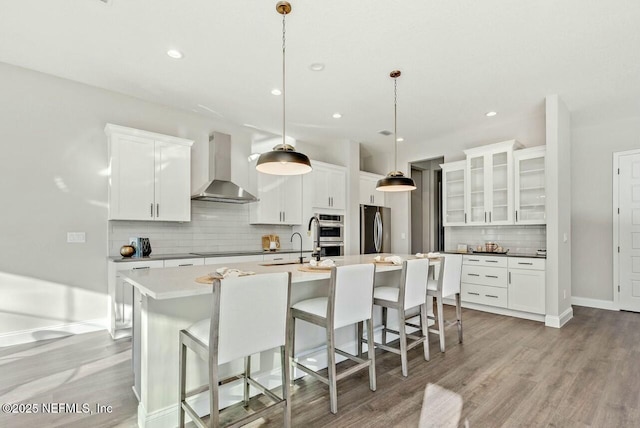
pixel 491 276
pixel 473 274
pixel 491 261
pixel 187 264
pixel 474 260
pixel 491 295
pixel 143 267
pixel 525 263
pixel 475 294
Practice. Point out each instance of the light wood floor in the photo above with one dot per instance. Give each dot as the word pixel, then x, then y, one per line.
pixel 509 372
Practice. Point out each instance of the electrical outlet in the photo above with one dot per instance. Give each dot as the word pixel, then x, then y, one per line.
pixel 403 235
pixel 76 237
pixel 564 294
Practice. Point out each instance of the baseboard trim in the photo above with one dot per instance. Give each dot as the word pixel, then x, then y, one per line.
pixel 593 303
pixel 559 321
pixel 51 332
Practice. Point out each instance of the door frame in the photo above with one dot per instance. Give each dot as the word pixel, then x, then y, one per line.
pixel 616 224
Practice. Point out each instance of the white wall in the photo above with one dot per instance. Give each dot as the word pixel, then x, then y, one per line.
pixel 593 145
pixel 54 181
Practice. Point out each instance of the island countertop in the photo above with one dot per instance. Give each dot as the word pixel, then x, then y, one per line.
pixel 176 282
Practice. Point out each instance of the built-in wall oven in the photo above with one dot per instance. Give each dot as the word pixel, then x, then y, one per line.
pixel 331 234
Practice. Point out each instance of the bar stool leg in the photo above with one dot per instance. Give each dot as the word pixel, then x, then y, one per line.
pixel 360 332
pixel 247 373
pixel 459 317
pixel 384 325
pixel 331 370
pixel 286 389
pixel 440 322
pixel 403 341
pixel 372 355
pixel 182 375
pixel 214 394
pixel 425 329
pixel 291 336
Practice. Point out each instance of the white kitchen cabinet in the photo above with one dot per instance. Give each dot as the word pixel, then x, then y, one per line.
pixel 279 200
pixel 368 193
pixel 453 193
pixel 484 280
pixel 489 184
pixel 150 176
pixel 530 189
pixel 233 259
pixel 119 311
pixel 328 184
pixel 527 284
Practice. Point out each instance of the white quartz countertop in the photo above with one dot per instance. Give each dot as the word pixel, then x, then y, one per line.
pixel 176 282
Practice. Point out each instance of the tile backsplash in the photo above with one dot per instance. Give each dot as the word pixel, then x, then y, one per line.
pixel 213 227
pixel 518 239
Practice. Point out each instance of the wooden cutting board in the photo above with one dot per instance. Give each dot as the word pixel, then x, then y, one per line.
pixel 318 269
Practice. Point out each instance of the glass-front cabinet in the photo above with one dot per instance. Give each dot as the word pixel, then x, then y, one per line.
pixel 490 184
pixel 453 187
pixel 530 189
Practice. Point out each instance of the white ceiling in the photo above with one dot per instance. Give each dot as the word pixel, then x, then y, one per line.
pixel 459 59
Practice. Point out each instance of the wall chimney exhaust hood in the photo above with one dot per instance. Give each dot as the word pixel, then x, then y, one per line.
pixel 219 187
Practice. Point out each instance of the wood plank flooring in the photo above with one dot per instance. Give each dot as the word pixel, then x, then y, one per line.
pixel 509 372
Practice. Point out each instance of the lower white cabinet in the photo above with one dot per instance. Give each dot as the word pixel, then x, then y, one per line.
pixel 516 283
pixel 527 285
pixel 233 259
pixel 119 312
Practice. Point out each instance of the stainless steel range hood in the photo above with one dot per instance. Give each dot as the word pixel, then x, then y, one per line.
pixel 219 187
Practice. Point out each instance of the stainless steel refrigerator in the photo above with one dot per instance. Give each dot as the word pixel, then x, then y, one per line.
pixel 375 229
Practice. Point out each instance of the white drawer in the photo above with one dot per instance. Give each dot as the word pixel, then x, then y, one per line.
pixel 483 275
pixel 526 263
pixel 148 264
pixel 197 261
pixel 484 295
pixel 484 261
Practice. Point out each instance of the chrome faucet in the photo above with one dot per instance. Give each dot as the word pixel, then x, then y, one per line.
pixel 291 240
pixel 317 251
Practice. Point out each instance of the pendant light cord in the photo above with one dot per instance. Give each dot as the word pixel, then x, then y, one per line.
pixel 395 123
pixel 284 114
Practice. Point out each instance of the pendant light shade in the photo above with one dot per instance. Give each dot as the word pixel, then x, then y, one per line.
pixel 395 181
pixel 283 159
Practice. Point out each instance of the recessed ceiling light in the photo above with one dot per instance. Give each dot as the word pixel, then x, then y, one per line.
pixel 175 54
pixel 337 115
pixel 399 139
pixel 491 113
pixel 276 91
pixel 316 66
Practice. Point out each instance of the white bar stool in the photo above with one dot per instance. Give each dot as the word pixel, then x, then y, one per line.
pixel 349 302
pixel 411 293
pixel 249 315
pixel 447 284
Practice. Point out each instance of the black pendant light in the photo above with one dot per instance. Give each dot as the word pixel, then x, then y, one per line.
pixel 283 159
pixel 395 181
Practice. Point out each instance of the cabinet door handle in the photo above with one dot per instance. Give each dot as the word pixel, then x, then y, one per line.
pixel 186 264
pixel 485 216
pixel 465 218
pixel 151 210
pixel 284 216
pixel 491 276
pixel 509 277
pixel 491 295
pixel 474 260
pixel 139 268
pixel 474 294
pixel 489 216
pixel 473 274
pixel 516 215
pixel 525 263
pixel 157 210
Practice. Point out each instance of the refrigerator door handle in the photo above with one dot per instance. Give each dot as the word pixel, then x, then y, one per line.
pixel 377 231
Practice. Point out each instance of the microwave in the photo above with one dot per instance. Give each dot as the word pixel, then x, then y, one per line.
pixel 331 228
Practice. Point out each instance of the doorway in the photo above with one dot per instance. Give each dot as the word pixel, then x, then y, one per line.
pixel 626 233
pixel 427 232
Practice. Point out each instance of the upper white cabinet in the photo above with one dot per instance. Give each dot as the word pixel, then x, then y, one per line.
pixel 280 200
pixel 328 183
pixel 368 193
pixel 150 175
pixel 530 203
pixel 489 184
pixel 453 200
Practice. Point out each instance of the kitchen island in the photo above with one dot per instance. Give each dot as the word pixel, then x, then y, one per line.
pixel 169 299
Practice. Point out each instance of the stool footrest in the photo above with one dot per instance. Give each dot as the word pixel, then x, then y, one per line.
pixel 264 390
